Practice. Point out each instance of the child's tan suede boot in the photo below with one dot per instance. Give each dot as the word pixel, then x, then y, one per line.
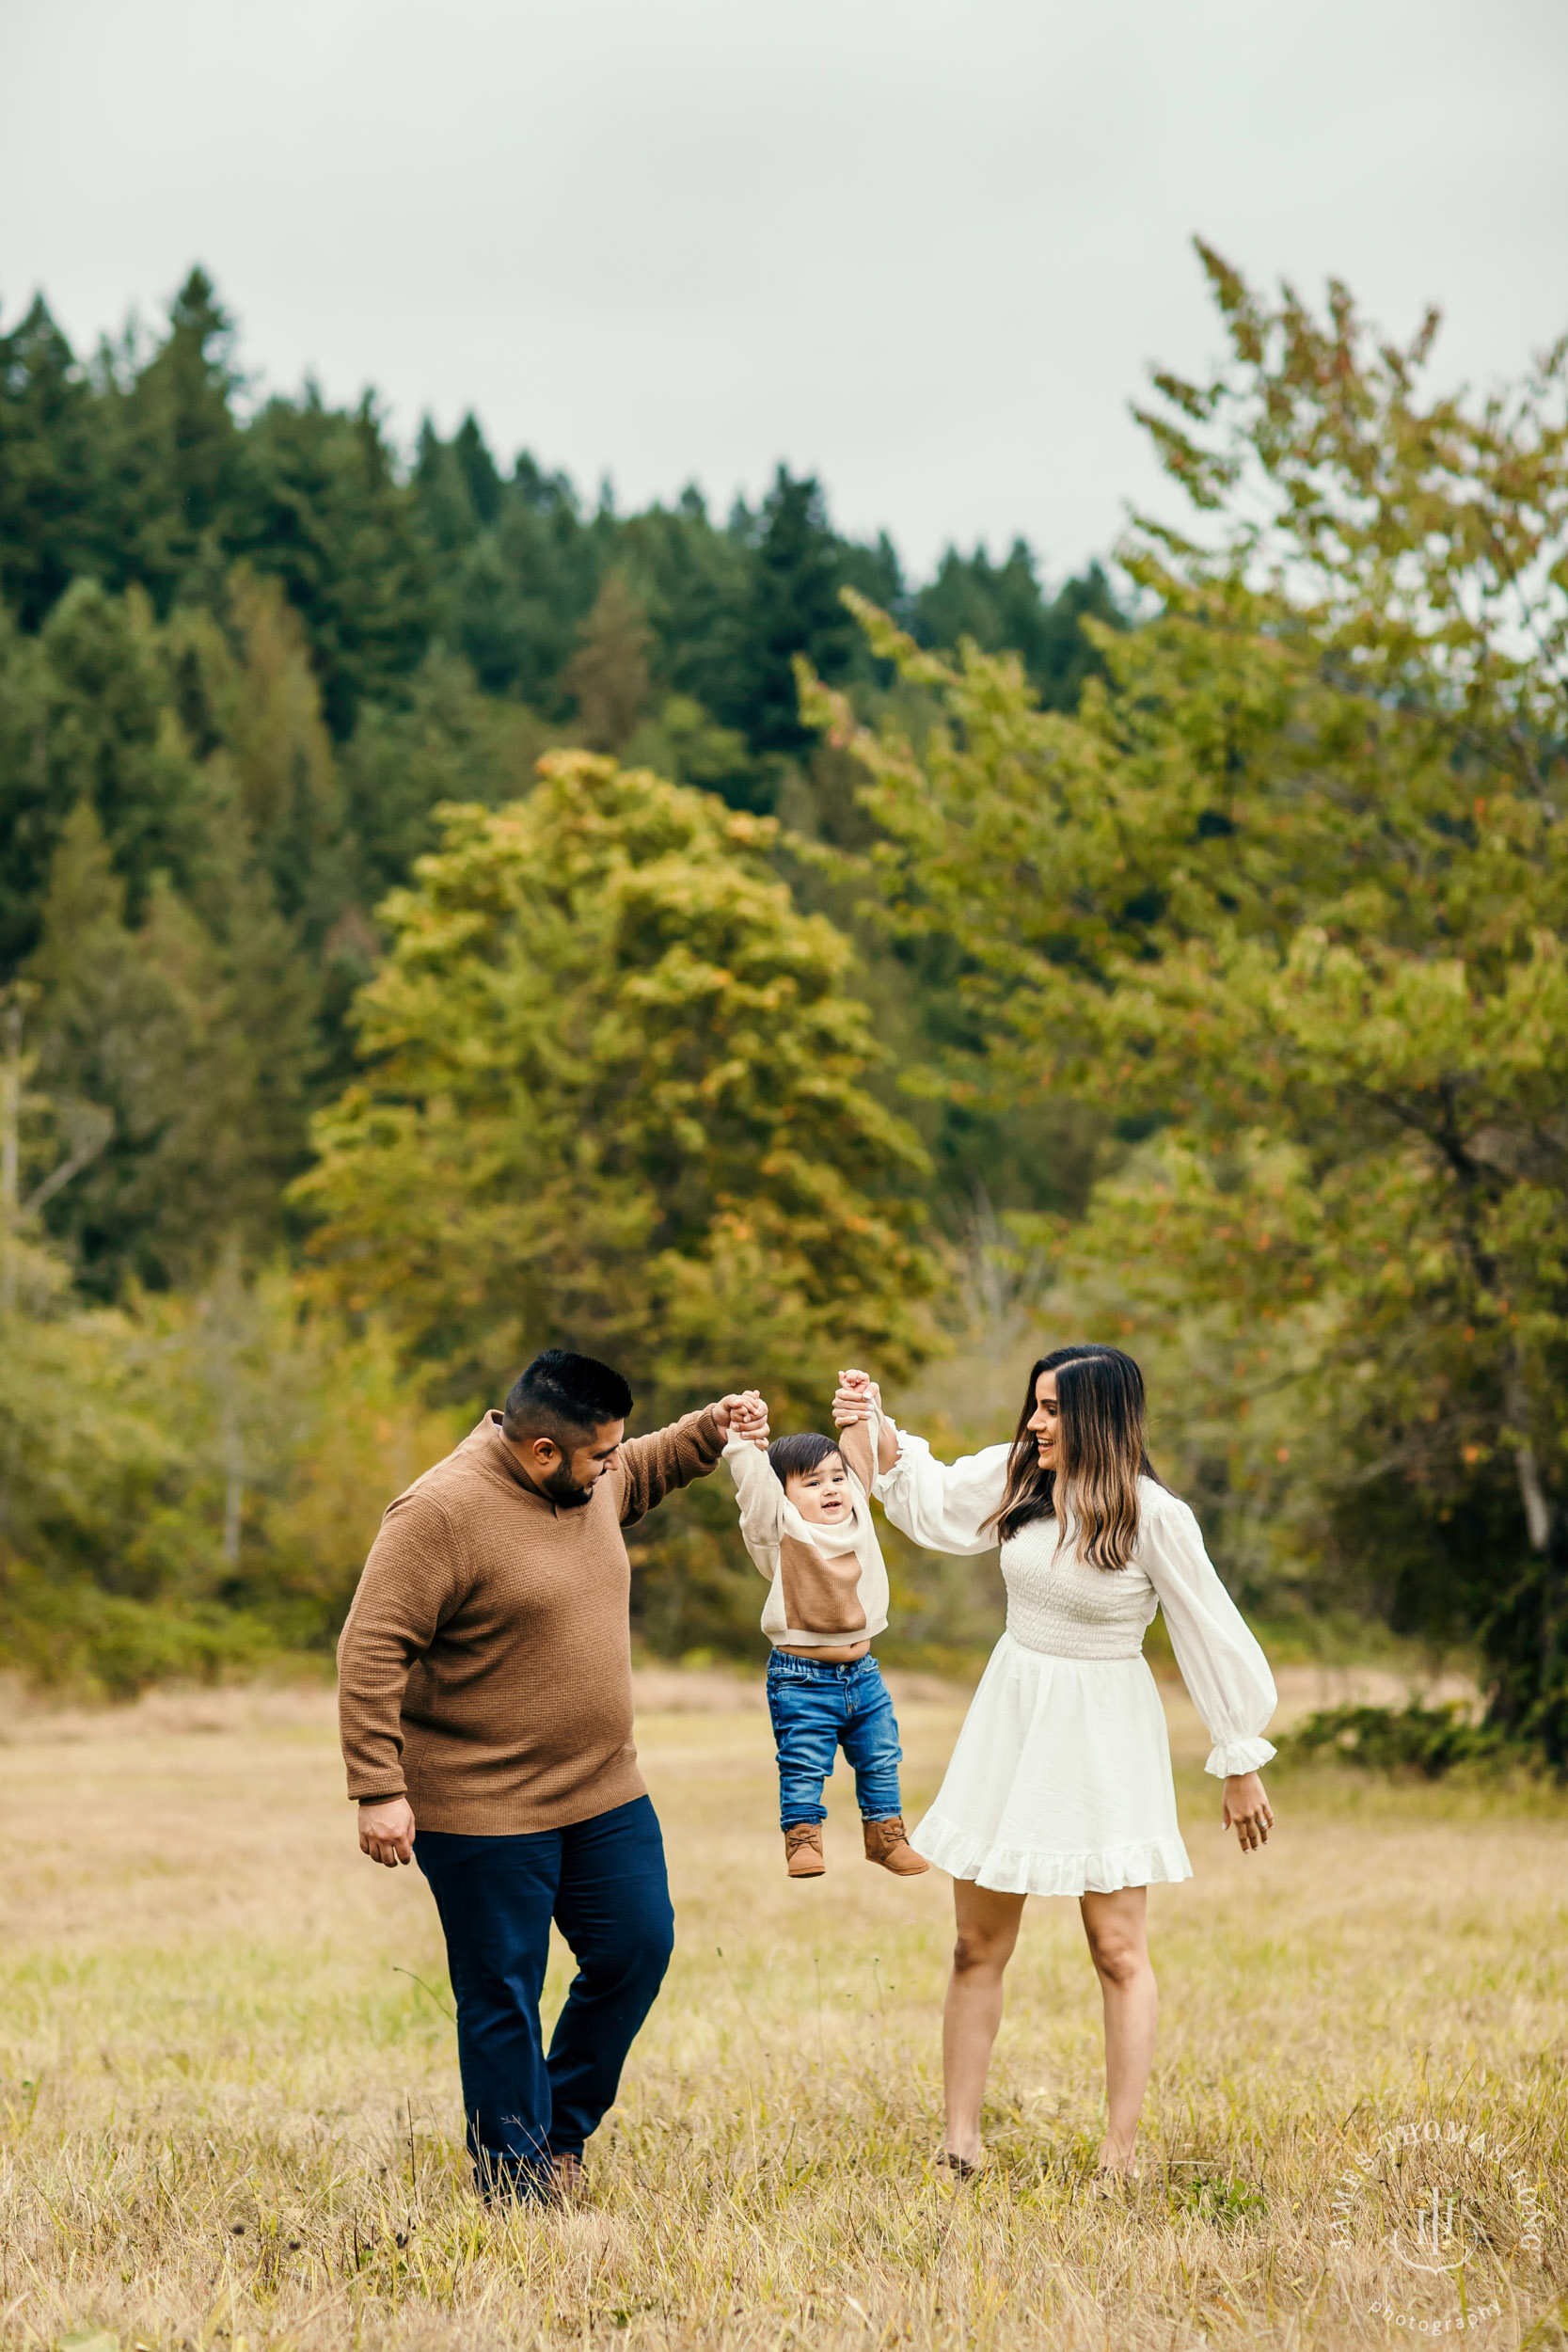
pixel 886 1843
pixel 803 1850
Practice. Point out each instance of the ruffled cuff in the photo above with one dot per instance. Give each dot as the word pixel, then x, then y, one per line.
pixel 1238 1755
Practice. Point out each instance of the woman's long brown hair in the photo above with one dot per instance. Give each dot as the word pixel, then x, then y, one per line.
pixel 1100 1445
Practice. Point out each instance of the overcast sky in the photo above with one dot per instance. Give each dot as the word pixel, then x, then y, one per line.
pixel 927 251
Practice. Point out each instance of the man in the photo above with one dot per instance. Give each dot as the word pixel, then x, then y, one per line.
pixel 484 1695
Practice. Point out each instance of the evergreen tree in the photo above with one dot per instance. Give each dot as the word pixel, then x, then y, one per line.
pixel 519 567
pixel 694 582
pixel 34 794
pixel 608 674
pixel 548 564
pixel 443 741
pixel 178 492
pixel 335 525
pixel 1001 607
pixel 794 611
pixel 248 696
pixel 481 478
pixel 875 572
pixel 84 712
pixel 199 1049
pixel 1066 653
pixel 51 491
pixel 457 485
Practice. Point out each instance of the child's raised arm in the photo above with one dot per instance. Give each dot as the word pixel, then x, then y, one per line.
pixel 756 1489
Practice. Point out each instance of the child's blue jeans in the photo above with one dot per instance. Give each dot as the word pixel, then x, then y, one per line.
pixel 818 1709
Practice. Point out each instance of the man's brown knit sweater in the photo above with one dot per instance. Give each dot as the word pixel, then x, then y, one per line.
pixel 485 1668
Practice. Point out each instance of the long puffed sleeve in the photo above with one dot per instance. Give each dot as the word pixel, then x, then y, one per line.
pixel 1222 1665
pixel 943 1507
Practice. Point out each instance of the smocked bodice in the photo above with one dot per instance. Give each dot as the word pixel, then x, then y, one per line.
pixel 1065 1606
pixel 1062 1607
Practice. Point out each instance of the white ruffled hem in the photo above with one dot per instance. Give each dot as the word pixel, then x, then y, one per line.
pixel 1238 1755
pixel 1037 1870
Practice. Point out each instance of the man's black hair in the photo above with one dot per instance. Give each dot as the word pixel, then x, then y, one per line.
pixel 565 1397
pixel 795 1458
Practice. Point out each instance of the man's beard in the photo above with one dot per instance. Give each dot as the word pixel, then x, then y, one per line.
pixel 564 1490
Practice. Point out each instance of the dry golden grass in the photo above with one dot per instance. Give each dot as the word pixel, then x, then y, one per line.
pixel 228 2120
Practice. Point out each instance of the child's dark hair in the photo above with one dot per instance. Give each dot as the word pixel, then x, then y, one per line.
pixel 794 1458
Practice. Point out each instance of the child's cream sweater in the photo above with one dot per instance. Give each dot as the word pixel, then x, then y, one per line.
pixel 828 1584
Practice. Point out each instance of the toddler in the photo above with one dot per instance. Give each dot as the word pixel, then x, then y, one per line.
pixel 805 1519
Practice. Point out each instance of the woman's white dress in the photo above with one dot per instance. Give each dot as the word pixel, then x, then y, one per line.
pixel 1060 1783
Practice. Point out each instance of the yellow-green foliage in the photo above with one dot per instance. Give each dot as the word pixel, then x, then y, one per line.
pixel 615 1099
pixel 191 1482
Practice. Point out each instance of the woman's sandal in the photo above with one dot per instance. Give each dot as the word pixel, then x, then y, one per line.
pixel 957 2171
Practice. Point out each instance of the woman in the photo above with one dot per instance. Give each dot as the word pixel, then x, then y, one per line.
pixel 1060 1783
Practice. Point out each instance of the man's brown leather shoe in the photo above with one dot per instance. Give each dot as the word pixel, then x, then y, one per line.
pixel 886 1843
pixel 803 1850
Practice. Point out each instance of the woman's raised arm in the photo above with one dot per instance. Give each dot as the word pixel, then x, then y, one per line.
pixel 943 1507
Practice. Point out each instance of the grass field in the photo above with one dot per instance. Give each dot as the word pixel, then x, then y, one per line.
pixel 228 2118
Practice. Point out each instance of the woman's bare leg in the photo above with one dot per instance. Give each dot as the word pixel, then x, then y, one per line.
pixel 988 1930
pixel 1118 1929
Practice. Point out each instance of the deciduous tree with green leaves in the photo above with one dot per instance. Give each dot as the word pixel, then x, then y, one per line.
pixel 1293 888
pixel 613 1096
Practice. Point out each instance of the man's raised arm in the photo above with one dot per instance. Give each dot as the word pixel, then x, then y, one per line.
pixel 407 1581
pixel 655 1466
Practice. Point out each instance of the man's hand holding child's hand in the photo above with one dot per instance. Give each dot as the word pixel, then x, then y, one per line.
pixel 749 1419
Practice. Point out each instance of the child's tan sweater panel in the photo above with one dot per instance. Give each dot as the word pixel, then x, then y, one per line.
pixel 820 1596
pixel 485 1671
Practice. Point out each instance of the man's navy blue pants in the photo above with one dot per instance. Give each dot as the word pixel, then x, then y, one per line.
pixel 602 1882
